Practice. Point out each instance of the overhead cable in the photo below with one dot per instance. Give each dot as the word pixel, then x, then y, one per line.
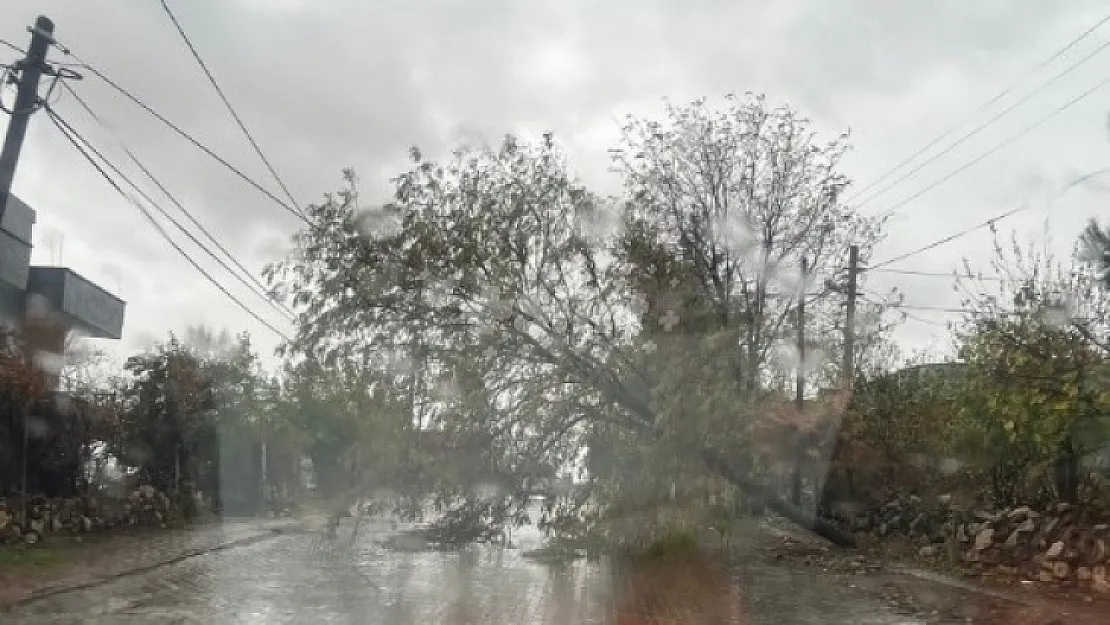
pixel 982 107
pixel 255 284
pixel 177 129
pixel 230 108
pixel 996 148
pixel 84 147
pixel 983 126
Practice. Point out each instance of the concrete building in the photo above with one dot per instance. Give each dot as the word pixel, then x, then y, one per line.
pixel 75 302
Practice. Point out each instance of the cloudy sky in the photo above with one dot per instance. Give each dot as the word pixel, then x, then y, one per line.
pixel 326 84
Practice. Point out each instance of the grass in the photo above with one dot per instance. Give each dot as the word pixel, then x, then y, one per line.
pixel 23 568
pixel 34 557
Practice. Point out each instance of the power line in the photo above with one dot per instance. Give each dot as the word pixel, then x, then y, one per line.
pixel 996 148
pixel 230 108
pixel 986 105
pixel 943 309
pixel 932 274
pixel 951 237
pixel 930 322
pixel 258 288
pixel 990 222
pixel 901 305
pixel 11 45
pixel 83 146
pixel 58 120
pixel 177 129
pixel 984 125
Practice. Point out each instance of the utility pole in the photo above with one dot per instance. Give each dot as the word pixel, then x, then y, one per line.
pixel 848 368
pixel 263 477
pixel 30 70
pixel 799 390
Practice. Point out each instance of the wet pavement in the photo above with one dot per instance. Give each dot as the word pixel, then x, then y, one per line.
pixel 307 578
pixel 93 559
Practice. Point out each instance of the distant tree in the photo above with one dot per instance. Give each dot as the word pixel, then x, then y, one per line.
pixel 166 422
pixel 353 425
pixel 1094 249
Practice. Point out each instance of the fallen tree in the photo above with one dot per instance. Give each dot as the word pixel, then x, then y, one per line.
pixel 514 307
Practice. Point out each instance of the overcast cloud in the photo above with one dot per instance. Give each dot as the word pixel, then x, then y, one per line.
pixel 327 84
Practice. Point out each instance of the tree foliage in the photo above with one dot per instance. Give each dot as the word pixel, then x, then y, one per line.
pixel 1035 395
pixel 41 440
pixel 549 312
pixel 1020 412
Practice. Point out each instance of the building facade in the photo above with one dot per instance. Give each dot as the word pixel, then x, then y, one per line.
pixel 58 293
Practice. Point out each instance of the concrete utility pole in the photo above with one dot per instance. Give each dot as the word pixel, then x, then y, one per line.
pixel 848 368
pixel 799 391
pixel 30 70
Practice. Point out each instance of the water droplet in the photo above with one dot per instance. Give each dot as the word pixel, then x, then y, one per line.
pixel 814 360
pixel 756 260
pixel 37 427
pixel 951 466
pixel 438 295
pixel 522 325
pixel 448 390
pixel 1060 315
pixel 789 277
pixel 598 225
pixel 50 362
pixel 399 362
pixel 669 320
pixel 64 404
pixel 138 454
pixel 377 223
pixel 487 491
pixel 734 233
pixel 500 309
pixel 37 305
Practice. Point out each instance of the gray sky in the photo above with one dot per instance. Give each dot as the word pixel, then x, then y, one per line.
pixel 327 84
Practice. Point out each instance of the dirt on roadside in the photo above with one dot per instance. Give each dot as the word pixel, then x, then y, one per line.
pixel 23 568
pixel 941 595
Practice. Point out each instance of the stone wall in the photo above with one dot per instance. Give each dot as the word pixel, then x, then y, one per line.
pixel 1062 544
pixel 145 507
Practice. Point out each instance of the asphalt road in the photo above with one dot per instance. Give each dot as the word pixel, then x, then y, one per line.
pixel 307 578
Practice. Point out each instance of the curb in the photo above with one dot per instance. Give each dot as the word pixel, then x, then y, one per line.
pixel 952 582
pixel 50 591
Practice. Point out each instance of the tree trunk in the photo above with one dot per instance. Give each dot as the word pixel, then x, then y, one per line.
pixel 819 526
pixel 330 476
pixel 1067 475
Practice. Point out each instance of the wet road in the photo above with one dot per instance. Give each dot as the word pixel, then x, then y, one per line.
pixel 304 578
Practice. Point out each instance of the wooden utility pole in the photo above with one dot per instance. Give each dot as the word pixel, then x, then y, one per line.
pixel 29 70
pixel 799 391
pixel 848 367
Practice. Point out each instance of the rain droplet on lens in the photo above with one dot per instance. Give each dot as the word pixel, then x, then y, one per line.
pixel 734 233
pixel 1058 315
pixel 50 362
pixel 37 305
pixel 448 390
pixel 377 223
pixel 787 355
pixel 37 427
